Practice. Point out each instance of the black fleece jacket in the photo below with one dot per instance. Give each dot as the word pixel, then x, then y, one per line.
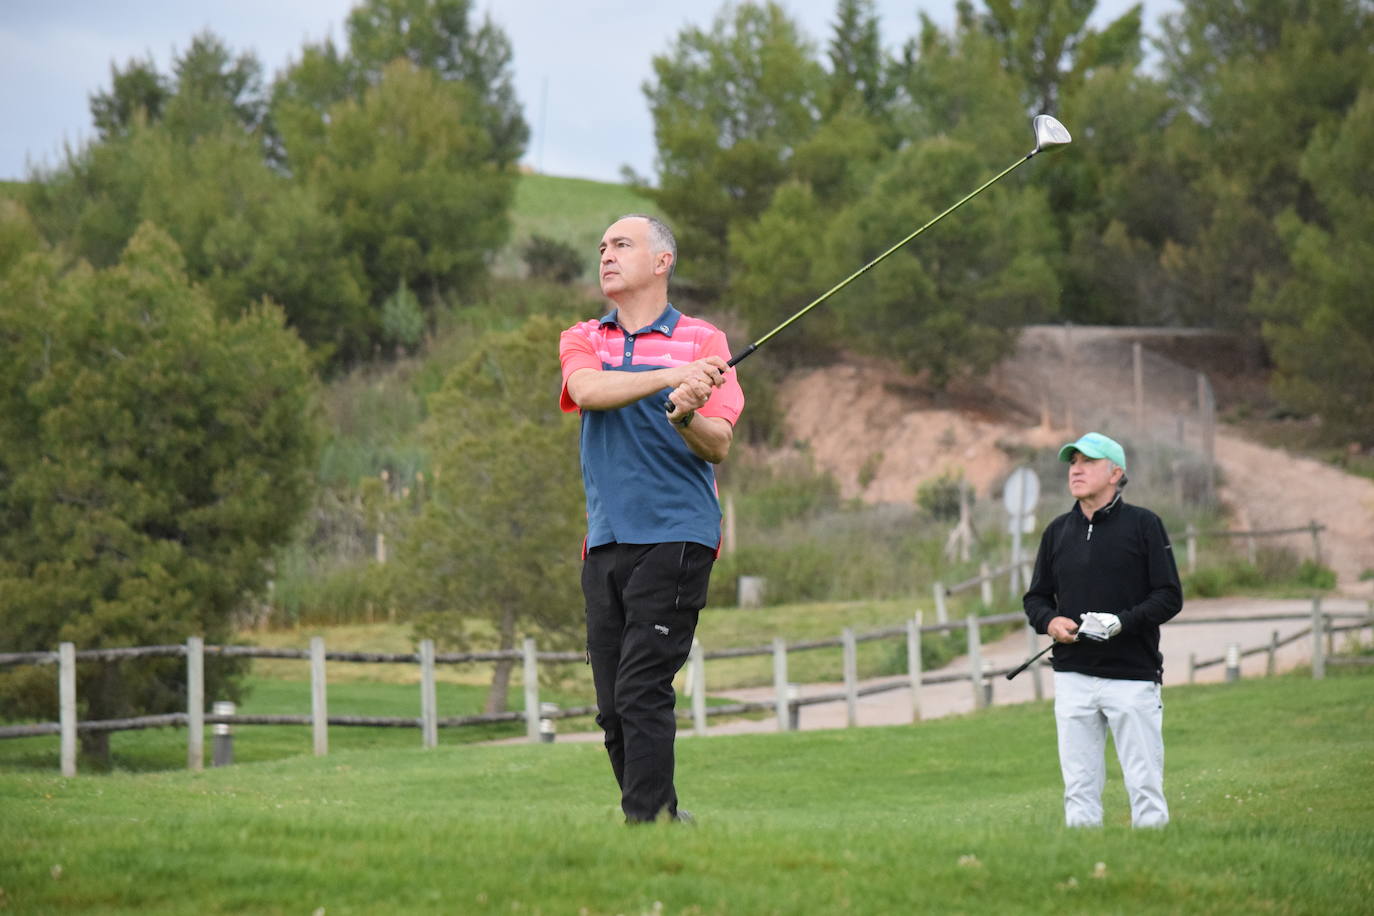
pixel 1120 562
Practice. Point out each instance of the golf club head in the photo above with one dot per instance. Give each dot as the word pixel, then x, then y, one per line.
pixel 1049 133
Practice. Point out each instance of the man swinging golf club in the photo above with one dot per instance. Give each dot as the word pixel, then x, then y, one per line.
pixel 1105 579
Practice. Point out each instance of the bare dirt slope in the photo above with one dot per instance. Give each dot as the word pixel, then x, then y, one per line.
pixel 881 436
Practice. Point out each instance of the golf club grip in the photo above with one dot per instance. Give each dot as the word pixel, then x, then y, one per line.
pixel 1028 662
pixel 734 360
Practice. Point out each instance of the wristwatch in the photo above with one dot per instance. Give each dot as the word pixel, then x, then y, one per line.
pixel 685 420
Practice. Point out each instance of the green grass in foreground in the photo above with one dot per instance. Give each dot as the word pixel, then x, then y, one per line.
pixel 1269 781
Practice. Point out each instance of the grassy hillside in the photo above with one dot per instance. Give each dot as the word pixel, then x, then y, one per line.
pixel 1269 782
pixel 574 211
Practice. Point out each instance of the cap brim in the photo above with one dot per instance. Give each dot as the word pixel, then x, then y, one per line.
pixel 1066 453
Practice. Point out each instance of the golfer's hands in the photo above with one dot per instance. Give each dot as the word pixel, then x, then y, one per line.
pixel 1062 629
pixel 698 379
pixel 1099 626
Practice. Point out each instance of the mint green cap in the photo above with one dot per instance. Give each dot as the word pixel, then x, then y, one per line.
pixel 1096 445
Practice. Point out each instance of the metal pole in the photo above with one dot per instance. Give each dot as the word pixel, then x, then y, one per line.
pixel 222 745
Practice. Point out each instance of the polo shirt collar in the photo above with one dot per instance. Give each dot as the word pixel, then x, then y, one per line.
pixel 665 323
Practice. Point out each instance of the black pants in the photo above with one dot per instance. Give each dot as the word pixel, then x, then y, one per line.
pixel 642 607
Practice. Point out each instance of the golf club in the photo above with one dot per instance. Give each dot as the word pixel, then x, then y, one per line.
pixel 1049 133
pixel 1028 662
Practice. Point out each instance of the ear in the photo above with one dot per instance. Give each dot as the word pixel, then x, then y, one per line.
pixel 1117 474
pixel 663 263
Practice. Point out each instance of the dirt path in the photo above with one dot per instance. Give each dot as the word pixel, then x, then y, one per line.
pixel 881 437
pixel 1269 489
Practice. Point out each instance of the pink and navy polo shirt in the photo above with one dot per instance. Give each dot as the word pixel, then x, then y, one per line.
pixel 643 484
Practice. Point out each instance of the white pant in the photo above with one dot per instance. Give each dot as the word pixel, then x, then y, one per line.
pixel 1083 708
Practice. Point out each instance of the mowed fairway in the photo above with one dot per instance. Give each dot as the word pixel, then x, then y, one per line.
pixel 1270 782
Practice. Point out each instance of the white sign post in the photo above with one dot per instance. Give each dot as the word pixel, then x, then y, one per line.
pixel 1020 495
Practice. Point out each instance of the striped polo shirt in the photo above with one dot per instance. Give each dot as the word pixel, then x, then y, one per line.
pixel 643 484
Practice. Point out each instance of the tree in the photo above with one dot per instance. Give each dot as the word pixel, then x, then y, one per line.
pixel 208 87
pixel 409 173
pixel 1259 78
pixel 861 75
pixel 136 91
pixel 155 458
pixel 730 107
pixel 438 35
pixel 1320 323
pixel 1049 46
pixel 950 303
pixel 244 230
pixel 495 551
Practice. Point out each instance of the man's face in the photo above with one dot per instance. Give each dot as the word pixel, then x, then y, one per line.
pixel 1091 478
pixel 628 262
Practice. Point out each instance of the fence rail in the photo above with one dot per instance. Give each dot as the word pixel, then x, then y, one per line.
pixel 786 703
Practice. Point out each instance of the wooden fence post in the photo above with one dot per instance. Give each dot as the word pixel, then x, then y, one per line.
pixel 1318 645
pixel 913 663
pixel 985 592
pixel 1192 666
pixel 1316 542
pixel 1272 667
pixel 195 704
pixel 66 692
pixel 319 703
pixel 1192 548
pixel 780 680
pixel 851 676
pixel 531 691
pixel 975 662
pixel 938 590
pixel 429 706
pixel 1031 649
pixel 698 671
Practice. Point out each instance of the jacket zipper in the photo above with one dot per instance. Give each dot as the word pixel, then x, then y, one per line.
pixel 1090 531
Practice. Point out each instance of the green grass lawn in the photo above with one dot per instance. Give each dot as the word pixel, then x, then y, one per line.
pixel 572 210
pixel 1270 784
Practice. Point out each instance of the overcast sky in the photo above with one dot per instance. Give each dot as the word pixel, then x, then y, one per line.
pixel 579 66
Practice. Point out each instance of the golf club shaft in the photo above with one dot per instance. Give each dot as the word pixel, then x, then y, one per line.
pixel 747 351
pixel 1028 662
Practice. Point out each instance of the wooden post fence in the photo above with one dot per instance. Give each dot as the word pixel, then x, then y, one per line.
pixel 66 690
pixel 851 677
pixel 195 704
pixel 913 659
pixel 429 707
pixel 975 662
pixel 780 680
pixel 698 672
pixel 319 702
pixel 531 691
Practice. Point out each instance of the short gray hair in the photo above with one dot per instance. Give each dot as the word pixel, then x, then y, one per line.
pixel 661 238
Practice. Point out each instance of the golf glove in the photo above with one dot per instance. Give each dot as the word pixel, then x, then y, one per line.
pixel 1099 626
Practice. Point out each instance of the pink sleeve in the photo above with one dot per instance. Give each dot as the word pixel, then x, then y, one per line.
pixel 727 401
pixel 575 351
